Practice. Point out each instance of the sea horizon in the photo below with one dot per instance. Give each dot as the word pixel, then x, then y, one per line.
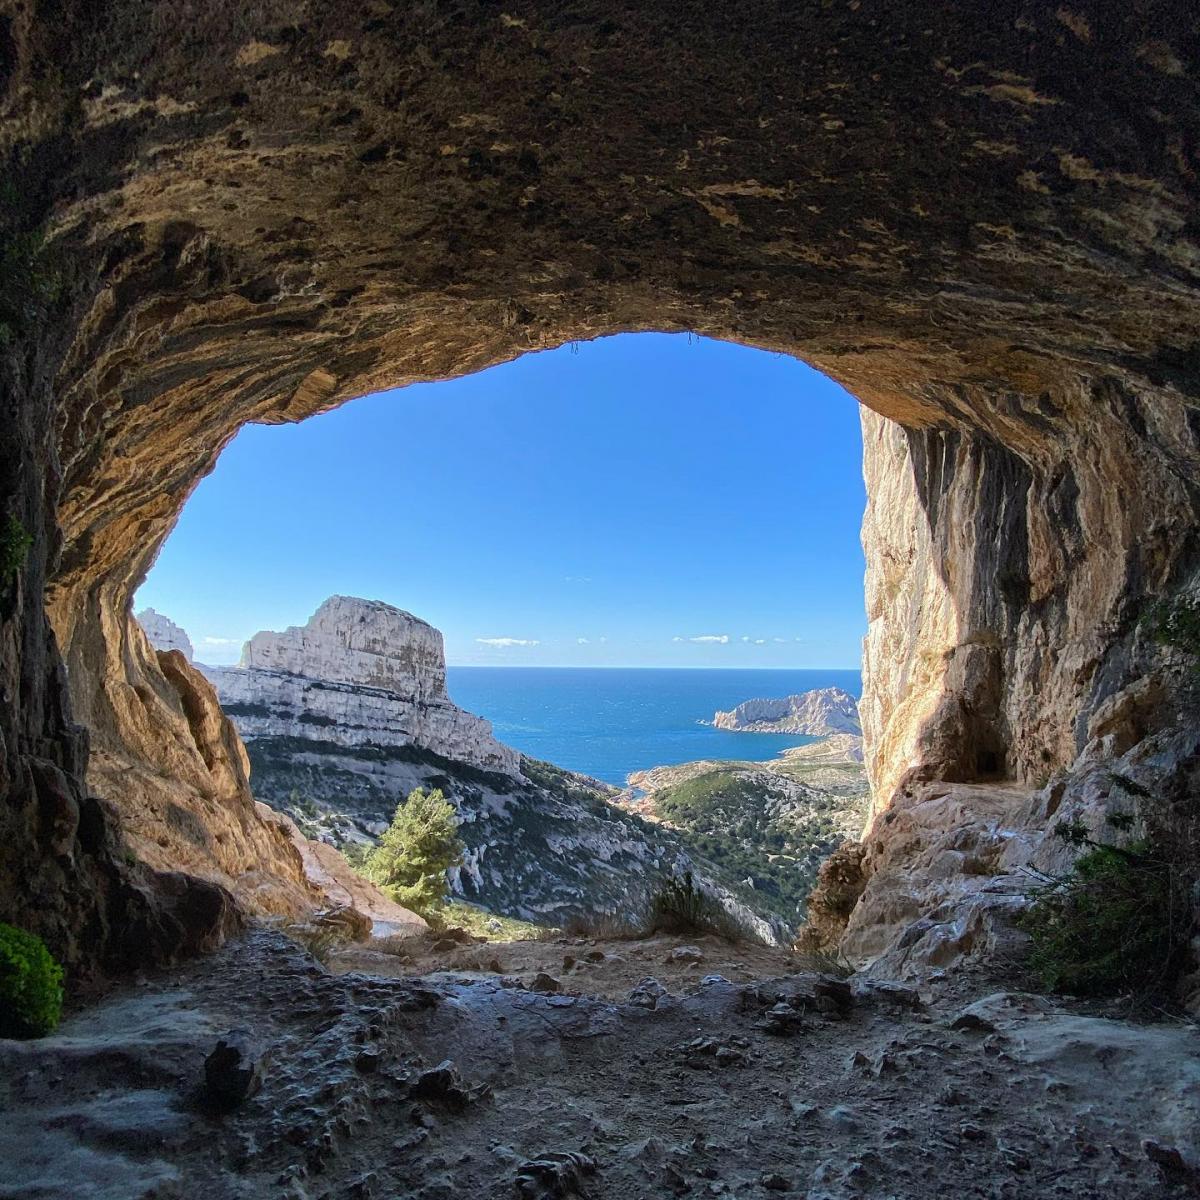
pixel 607 722
pixel 636 667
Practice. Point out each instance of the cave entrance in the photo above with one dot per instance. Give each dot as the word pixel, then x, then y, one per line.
pixel 648 528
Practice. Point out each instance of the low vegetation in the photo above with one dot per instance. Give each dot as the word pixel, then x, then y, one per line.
pixel 767 843
pixel 415 852
pixel 1116 924
pixel 31 985
pixel 14 546
pixel 480 923
pixel 1176 623
pixel 682 908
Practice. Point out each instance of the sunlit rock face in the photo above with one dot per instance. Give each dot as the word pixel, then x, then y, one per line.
pixel 359 673
pixel 978 219
pixel 363 642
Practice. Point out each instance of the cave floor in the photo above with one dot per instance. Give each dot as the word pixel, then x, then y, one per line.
pixel 717 1091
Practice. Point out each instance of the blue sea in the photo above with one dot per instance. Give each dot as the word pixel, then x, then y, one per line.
pixel 609 721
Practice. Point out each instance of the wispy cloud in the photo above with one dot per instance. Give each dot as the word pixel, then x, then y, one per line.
pixel 582 642
pixel 577 579
pixel 221 641
pixel 505 642
pixel 779 640
pixel 719 639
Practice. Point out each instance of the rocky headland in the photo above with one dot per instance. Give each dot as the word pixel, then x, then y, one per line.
pixel 817 713
pixel 359 673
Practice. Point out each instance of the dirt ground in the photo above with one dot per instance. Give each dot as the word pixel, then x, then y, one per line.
pixel 257 1072
pixel 609 968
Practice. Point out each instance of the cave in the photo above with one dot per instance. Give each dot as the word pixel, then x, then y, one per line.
pixel 980 220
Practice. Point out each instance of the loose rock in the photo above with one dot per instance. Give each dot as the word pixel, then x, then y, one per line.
pixel 553 1175
pixel 647 993
pixel 233 1071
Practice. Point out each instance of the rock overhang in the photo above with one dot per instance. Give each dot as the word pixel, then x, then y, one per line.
pixel 977 221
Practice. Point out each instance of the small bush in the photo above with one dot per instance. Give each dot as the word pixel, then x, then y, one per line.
pixel 31 992
pixel 826 962
pixel 416 851
pixel 598 926
pixel 680 907
pixel 1117 924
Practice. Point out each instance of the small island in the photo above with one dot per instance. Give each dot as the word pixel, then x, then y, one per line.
pixel 818 713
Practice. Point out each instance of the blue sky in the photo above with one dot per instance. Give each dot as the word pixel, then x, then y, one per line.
pixel 640 500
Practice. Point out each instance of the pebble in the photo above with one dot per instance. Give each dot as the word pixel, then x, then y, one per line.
pixel 1168 1160
pixel 440 1083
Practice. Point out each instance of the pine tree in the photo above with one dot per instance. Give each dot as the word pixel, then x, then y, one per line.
pixel 416 851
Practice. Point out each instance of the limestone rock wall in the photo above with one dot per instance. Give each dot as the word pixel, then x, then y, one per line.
pixel 361 642
pixel 979 218
pixel 181 774
pixel 1006 579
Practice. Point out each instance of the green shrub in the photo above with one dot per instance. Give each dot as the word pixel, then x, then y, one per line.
pixel 1116 924
pixel 31 991
pixel 600 926
pixel 416 851
pixel 14 546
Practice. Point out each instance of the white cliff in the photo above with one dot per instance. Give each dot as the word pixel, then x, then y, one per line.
pixel 164 634
pixel 818 713
pixel 359 673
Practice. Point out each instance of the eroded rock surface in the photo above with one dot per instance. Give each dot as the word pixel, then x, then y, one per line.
pixel 453 1085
